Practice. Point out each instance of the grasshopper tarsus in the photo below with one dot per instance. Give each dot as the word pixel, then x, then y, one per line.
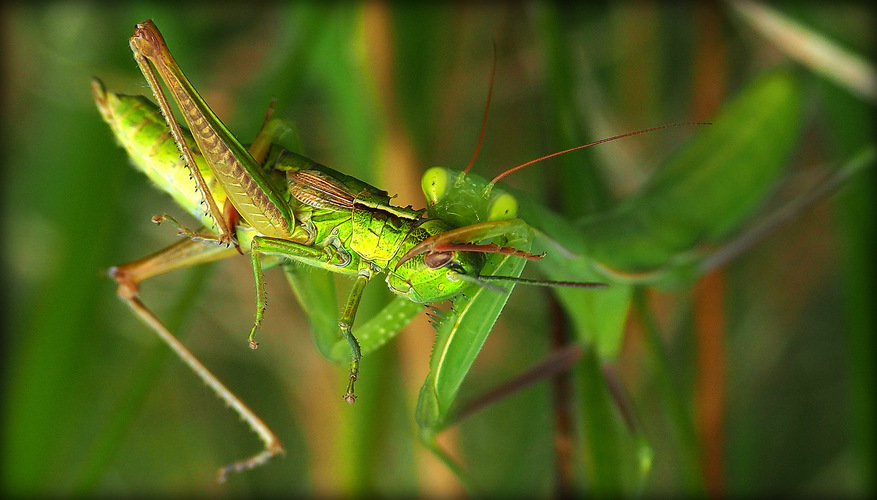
pixel 270 451
pixel 227 239
pixel 251 339
pixel 183 230
pixel 349 396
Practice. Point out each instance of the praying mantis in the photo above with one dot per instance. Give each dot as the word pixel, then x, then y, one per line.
pixel 278 206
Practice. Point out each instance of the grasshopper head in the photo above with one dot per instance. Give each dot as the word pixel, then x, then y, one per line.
pixel 432 276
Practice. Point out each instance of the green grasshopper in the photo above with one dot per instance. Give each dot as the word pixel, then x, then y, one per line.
pixel 284 208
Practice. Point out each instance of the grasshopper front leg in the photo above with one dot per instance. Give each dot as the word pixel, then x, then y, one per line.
pixel 321 258
pixel 345 322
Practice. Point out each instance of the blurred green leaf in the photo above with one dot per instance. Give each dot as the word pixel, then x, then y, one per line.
pixel 709 188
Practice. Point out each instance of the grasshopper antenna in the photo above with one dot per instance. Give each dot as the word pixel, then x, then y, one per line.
pixel 583 146
pixel 546 283
pixel 484 282
pixel 486 110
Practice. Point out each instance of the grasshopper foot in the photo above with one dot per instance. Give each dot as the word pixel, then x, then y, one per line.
pixel 198 235
pixel 271 450
pixel 252 338
pixel 349 396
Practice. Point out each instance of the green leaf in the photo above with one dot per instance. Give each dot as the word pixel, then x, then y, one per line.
pixel 315 292
pixel 709 188
pixel 460 337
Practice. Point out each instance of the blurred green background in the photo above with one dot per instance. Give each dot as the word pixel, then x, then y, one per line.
pixel 778 395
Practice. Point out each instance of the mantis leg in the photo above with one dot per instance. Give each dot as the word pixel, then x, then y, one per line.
pixel 183 254
pixel 318 257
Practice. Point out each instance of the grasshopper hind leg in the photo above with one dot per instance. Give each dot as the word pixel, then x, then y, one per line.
pixel 183 254
pixel 273 445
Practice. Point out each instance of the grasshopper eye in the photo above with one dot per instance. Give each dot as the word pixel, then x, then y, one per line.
pixel 502 206
pixel 435 260
pixel 435 184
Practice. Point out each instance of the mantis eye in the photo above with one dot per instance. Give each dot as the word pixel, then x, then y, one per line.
pixel 435 260
pixel 435 184
pixel 502 206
